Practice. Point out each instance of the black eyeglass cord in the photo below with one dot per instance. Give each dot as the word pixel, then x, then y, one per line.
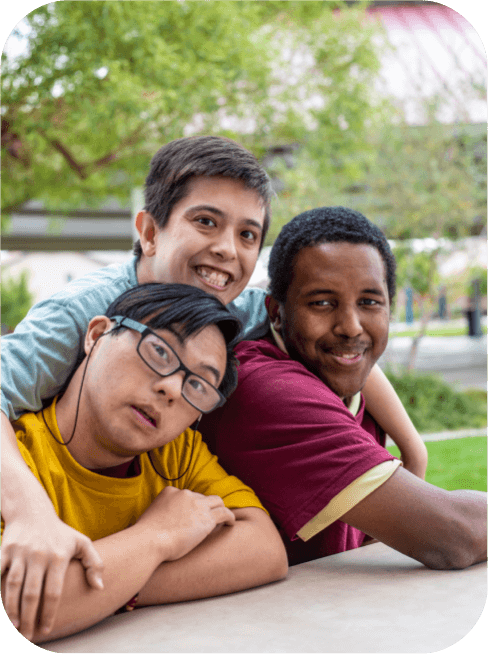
pixel 77 405
pixel 191 456
pixel 76 421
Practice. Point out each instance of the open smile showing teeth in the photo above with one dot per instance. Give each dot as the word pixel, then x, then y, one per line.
pixel 215 278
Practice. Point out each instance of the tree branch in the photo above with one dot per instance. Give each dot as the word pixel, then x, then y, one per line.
pixel 70 160
pixel 131 139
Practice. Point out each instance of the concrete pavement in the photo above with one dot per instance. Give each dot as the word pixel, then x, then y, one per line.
pixel 458 359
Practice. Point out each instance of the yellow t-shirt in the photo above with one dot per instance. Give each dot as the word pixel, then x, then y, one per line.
pixel 99 506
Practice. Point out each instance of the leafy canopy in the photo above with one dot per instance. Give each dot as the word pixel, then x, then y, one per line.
pixel 102 85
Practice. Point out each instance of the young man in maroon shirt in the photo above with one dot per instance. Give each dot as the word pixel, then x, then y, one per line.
pixel 296 429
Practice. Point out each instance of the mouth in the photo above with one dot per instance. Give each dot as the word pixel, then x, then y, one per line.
pixel 144 417
pixel 346 358
pixel 217 279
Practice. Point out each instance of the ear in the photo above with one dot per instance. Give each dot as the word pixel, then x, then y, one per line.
pixel 96 327
pixel 147 228
pixel 274 309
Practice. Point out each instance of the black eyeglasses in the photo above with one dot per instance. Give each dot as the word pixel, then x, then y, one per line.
pixel 158 355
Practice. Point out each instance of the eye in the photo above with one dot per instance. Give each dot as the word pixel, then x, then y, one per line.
pixel 197 385
pixel 159 351
pixel 321 303
pixel 369 302
pixel 206 221
pixel 249 236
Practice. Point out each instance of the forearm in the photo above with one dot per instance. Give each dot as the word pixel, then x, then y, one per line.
pixel 384 405
pixel 248 554
pixel 126 572
pixel 441 529
pixel 21 491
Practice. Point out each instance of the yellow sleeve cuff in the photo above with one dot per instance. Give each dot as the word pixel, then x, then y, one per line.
pixel 349 497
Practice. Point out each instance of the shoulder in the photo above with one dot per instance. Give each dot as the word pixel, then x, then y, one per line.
pixel 80 300
pixel 250 309
pixel 108 282
pixel 249 298
pixel 263 365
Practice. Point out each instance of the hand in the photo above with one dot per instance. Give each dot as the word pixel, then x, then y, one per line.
pixel 183 519
pixel 35 557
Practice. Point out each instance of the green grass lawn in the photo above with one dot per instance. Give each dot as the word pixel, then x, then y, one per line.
pixel 448 330
pixel 456 463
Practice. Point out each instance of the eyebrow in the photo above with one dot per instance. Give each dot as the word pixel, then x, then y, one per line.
pixel 221 214
pixel 328 291
pixel 212 370
pixel 205 366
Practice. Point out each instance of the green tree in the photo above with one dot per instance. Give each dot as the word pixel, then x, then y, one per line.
pixel 427 181
pixel 419 271
pixel 102 85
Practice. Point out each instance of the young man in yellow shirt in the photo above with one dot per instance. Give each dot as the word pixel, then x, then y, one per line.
pixel 120 463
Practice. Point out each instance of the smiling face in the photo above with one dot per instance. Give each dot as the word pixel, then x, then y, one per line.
pixel 336 316
pixel 126 408
pixel 211 240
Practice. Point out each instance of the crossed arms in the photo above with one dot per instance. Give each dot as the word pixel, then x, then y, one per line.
pixel 185 546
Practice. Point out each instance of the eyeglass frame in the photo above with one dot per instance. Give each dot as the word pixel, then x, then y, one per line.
pixel 144 330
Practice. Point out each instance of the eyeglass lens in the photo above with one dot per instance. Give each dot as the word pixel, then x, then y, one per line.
pixel 160 357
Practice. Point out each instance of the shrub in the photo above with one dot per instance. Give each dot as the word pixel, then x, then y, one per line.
pixel 16 300
pixel 434 405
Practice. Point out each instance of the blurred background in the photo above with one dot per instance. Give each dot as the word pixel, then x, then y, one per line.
pixel 379 106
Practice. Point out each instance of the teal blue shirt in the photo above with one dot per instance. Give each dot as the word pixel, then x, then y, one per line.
pixel 39 357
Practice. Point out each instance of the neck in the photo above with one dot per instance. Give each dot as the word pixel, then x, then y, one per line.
pixel 144 271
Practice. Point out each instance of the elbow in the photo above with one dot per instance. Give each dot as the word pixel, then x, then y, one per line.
pixel 281 567
pixel 278 560
pixel 465 549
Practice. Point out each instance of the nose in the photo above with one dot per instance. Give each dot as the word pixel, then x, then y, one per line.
pixel 348 322
pixel 224 244
pixel 171 387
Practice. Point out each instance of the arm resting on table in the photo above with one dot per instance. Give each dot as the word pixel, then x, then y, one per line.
pixel 247 553
pixel 250 554
pixel 441 529
pixel 126 571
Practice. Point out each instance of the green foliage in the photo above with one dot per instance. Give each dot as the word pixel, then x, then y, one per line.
pixel 426 181
pixel 477 272
pixel 104 84
pixel 417 270
pixel 16 299
pixel 412 181
pixel 455 464
pixel 434 405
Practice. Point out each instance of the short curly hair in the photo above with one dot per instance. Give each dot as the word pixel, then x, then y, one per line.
pixel 324 225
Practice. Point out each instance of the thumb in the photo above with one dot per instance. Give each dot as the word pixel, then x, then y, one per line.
pixel 92 562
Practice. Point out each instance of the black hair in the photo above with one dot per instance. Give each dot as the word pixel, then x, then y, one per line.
pixel 178 162
pixel 324 225
pixel 184 309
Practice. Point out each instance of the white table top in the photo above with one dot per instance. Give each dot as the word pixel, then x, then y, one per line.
pixel 372 599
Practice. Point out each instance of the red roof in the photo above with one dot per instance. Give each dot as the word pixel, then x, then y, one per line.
pixel 437 52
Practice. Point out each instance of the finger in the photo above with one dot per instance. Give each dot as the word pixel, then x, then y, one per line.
pixel 215 501
pixel 12 584
pixel 30 599
pixel 51 595
pixel 223 515
pixel 6 558
pixel 93 564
